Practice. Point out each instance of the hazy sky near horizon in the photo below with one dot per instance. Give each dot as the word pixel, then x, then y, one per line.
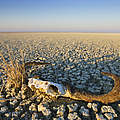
pixel 60 15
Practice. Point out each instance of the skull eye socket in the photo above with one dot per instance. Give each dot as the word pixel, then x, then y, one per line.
pixel 53 88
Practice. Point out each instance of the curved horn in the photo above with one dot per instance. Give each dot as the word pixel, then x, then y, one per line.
pixel 36 63
pixel 112 96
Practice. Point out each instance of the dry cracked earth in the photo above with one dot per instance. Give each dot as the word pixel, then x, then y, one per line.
pixel 78 58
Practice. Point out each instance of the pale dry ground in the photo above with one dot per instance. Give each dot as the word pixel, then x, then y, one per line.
pixel 76 57
pixel 88 45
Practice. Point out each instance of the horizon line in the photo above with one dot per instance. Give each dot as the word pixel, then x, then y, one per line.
pixel 51 32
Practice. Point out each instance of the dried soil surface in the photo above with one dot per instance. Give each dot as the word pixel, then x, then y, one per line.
pixel 78 58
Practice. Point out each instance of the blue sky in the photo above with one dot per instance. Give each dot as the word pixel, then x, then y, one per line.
pixel 60 15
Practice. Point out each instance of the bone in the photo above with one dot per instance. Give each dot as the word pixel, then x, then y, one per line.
pixel 50 88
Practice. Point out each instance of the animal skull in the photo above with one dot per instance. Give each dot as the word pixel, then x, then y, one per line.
pixel 50 88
